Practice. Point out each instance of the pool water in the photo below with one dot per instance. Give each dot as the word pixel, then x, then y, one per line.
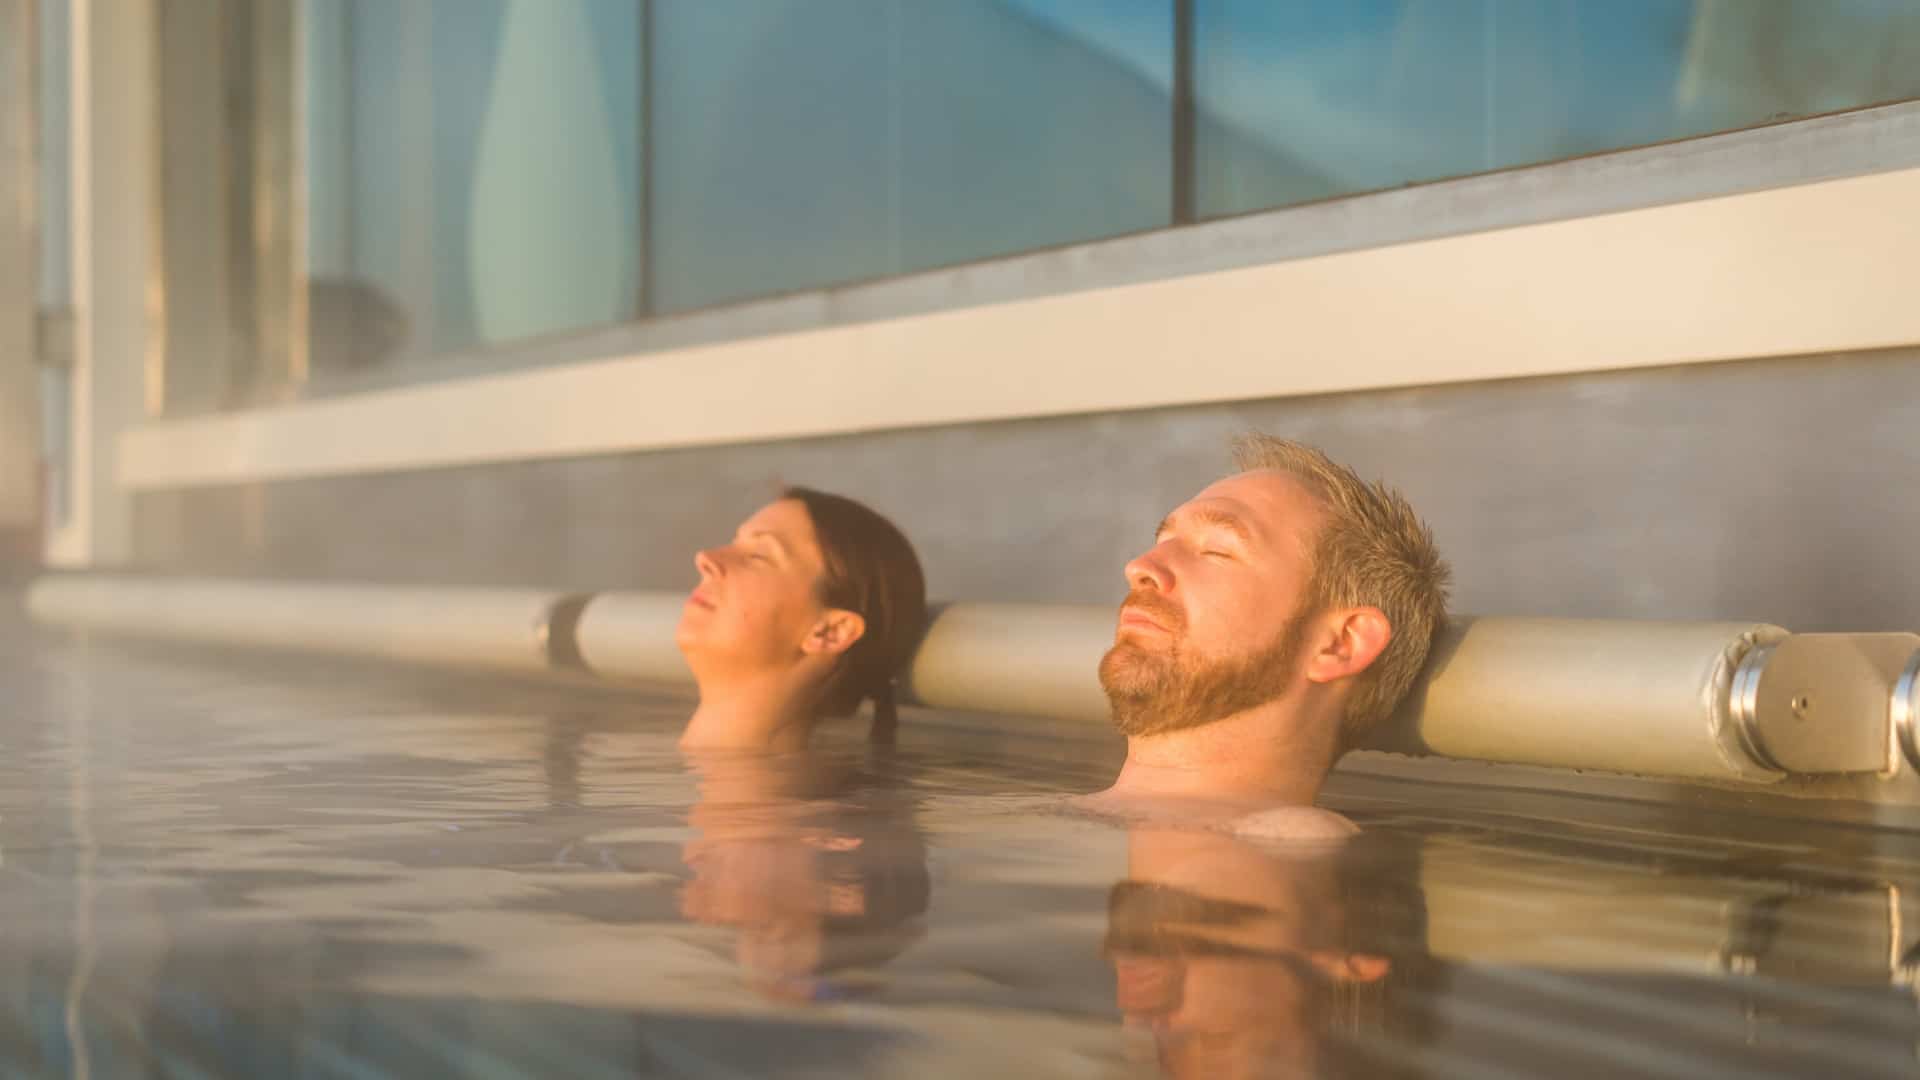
pixel 224 865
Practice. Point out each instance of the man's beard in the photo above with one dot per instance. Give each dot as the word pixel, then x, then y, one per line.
pixel 1153 693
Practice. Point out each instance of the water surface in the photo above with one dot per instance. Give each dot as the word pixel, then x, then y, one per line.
pixel 218 865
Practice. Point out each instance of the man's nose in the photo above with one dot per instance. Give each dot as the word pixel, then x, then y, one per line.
pixel 1148 571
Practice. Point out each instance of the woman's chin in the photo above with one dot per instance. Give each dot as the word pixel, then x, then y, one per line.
pixel 690 637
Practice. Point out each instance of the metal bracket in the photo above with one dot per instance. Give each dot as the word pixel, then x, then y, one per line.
pixel 1819 703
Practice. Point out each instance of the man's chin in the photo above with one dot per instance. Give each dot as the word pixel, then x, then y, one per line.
pixel 1131 672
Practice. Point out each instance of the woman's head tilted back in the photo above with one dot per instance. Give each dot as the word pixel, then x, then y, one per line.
pixel 871 570
pixel 813 607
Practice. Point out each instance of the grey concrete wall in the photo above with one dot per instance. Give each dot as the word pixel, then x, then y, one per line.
pixel 19 262
pixel 1775 489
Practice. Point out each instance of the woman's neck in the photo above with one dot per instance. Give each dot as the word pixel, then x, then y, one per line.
pixel 752 714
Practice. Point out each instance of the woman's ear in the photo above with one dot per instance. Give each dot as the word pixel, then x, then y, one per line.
pixel 834 634
pixel 1352 967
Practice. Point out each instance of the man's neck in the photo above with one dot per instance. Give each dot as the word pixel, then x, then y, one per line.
pixel 1274 755
pixel 767 712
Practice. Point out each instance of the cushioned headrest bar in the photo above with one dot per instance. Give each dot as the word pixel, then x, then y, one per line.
pixel 490 628
pixel 1700 700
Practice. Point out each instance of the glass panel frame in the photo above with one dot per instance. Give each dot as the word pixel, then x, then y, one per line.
pixel 381 227
pixel 1298 102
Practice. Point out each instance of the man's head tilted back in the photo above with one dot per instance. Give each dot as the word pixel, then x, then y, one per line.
pixel 1292 589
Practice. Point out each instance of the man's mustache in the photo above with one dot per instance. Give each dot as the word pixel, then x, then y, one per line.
pixel 1156 607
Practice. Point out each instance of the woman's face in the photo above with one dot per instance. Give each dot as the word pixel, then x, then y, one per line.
pixel 758 597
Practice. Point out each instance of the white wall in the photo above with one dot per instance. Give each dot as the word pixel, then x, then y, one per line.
pixel 112 208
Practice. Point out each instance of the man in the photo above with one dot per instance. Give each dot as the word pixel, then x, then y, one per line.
pixel 1278 617
pixel 1242 961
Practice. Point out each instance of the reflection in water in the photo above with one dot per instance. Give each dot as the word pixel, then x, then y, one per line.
pixel 1249 962
pixel 818 868
pixel 230 869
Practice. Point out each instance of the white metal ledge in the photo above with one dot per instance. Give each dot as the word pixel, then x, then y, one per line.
pixel 1818 268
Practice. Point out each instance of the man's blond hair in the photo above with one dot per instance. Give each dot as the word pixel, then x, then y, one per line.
pixel 1372 550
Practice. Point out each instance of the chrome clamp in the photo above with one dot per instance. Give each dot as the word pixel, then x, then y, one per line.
pixel 1905 710
pixel 1743 705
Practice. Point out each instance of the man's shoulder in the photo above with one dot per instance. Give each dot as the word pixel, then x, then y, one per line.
pixel 1295 824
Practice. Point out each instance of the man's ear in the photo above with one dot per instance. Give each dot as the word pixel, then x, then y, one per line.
pixel 1352 640
pixel 834 634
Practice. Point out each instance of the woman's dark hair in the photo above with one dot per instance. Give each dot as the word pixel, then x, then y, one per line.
pixel 871 570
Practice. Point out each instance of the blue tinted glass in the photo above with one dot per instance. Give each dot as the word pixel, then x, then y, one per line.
pixel 800 143
pixel 1305 99
pixel 473 172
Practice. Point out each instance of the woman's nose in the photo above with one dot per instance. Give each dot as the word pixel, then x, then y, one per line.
pixel 707 561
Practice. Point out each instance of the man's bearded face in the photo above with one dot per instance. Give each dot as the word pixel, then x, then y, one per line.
pixel 1158 682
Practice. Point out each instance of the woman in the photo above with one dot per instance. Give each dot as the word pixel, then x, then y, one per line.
pixel 812 608
pixel 817 865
